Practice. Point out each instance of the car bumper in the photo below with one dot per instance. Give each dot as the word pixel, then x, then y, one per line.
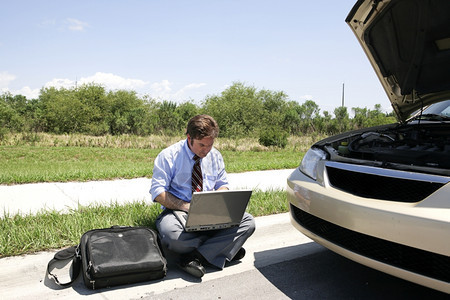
pixel 385 235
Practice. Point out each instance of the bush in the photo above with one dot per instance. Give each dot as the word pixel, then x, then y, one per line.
pixel 273 137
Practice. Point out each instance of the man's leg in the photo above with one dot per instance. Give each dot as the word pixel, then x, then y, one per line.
pixel 173 236
pixel 175 239
pixel 216 246
pixel 222 245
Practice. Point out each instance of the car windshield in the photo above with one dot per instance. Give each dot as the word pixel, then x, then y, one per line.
pixel 435 112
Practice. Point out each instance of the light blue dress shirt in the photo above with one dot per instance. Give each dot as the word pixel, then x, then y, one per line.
pixel 172 171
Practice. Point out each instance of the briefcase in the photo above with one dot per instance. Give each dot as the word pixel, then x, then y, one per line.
pixel 114 256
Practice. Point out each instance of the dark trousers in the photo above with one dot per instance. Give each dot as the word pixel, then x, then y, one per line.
pixel 216 246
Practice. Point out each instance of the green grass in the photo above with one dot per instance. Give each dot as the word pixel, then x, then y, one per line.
pixel 46 230
pixel 38 157
pixel 28 164
pixel 52 230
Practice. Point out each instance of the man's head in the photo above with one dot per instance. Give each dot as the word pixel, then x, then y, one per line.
pixel 201 132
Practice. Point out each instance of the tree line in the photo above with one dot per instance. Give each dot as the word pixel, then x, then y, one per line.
pixel 240 110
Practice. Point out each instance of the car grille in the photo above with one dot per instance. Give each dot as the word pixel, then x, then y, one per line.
pixel 408 258
pixel 391 185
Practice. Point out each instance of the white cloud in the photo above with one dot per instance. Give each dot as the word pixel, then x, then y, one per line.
pixel 5 79
pixel 114 82
pixel 181 94
pixel 60 83
pixel 108 80
pixel 193 86
pixel 159 90
pixel 71 24
pixel 27 92
pixel 76 25
pixel 163 90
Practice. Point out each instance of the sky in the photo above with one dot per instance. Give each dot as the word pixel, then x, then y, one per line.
pixel 187 50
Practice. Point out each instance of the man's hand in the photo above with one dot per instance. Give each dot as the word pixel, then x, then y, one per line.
pixel 169 201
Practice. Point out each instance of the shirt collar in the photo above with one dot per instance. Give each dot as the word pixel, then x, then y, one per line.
pixel 188 150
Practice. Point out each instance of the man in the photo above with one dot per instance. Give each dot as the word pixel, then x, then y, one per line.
pixel 172 187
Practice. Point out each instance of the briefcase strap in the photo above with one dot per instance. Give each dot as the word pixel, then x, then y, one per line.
pixel 64 255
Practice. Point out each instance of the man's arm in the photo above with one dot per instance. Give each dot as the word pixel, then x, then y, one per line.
pixel 221 180
pixel 169 201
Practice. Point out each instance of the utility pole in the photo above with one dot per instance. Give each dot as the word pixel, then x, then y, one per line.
pixel 343 86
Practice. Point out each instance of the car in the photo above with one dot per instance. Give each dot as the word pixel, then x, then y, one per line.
pixel 380 196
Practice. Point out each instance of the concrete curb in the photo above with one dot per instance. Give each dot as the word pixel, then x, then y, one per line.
pixel 31 198
pixel 275 240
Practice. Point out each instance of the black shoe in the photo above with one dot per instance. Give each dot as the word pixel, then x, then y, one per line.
pixel 239 255
pixel 193 267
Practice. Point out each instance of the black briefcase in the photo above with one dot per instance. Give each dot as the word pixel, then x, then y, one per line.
pixel 115 256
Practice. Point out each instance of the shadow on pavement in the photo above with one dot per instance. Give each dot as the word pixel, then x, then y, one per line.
pixel 325 274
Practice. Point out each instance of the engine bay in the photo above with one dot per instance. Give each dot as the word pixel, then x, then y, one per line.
pixel 417 147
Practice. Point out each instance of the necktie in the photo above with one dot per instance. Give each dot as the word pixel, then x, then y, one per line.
pixel 197 178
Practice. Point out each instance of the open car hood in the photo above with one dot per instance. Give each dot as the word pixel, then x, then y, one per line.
pixel 408 45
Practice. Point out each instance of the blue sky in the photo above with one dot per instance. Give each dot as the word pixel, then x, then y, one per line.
pixel 186 50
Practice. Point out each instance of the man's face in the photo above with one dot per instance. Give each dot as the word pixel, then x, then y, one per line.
pixel 200 147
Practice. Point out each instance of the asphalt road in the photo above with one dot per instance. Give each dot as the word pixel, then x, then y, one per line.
pixel 320 275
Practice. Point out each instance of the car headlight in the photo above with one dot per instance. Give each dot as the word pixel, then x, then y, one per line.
pixel 310 160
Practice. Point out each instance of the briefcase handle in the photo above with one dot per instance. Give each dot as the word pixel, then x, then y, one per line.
pixel 64 255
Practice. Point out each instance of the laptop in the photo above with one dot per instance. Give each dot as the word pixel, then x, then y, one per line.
pixel 213 210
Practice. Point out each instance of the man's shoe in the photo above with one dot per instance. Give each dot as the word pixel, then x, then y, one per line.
pixel 239 255
pixel 193 267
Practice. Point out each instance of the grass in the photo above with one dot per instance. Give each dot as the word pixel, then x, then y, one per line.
pixel 46 230
pixel 52 158
pixel 51 230
pixel 38 157
pixel 27 164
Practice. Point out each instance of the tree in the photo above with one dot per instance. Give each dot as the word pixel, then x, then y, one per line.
pixel 307 112
pixel 360 119
pixel 291 119
pixel 168 119
pixel 95 108
pixel 366 118
pixel 238 110
pixel 62 112
pixel 377 117
pixel 323 124
pixel 12 112
pixel 127 112
pixel 185 112
pixel 342 119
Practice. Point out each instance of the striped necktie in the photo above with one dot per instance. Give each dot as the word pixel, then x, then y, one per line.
pixel 197 178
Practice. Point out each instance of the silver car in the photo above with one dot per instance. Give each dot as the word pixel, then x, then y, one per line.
pixel 381 196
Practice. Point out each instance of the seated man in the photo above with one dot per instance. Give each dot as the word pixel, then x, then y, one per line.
pixel 179 170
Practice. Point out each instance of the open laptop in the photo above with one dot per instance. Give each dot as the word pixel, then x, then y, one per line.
pixel 212 210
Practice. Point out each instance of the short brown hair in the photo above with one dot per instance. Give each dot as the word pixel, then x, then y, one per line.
pixel 202 126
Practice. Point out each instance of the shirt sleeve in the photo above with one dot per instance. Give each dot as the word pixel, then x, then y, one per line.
pixel 222 180
pixel 161 176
